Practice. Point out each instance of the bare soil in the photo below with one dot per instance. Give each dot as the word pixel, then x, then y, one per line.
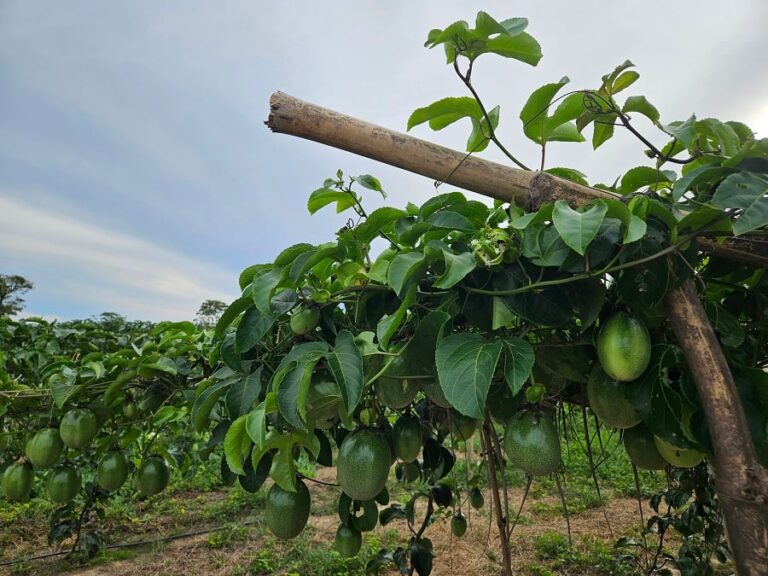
pixel 475 554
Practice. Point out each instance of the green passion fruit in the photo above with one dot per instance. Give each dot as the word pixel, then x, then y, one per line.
pixel 434 392
pixel 44 448
pixel 17 481
pixel 396 393
pixel 476 499
pixel 78 427
pixel 458 524
pixel 532 444
pixel 348 541
pixel 608 400
pixel 406 437
pixel 641 449
pixel 363 464
pixel 680 457
pixel 624 347
pixel 287 512
pixel 63 484
pixel 304 321
pixel 463 427
pixel 323 402
pixel 112 470
pixel 152 476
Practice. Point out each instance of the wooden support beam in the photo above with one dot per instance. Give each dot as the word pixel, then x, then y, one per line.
pixel 741 481
pixel 289 115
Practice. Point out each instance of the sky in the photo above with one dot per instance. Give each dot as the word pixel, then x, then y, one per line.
pixel 136 173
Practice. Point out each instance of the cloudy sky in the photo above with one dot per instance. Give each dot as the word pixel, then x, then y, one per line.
pixel 136 174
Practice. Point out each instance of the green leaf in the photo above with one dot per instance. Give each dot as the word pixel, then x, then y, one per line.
pixel 518 362
pixel 465 366
pixel 253 326
pixel 634 230
pixel 376 221
pixel 163 364
pixel 640 104
pixel 204 403
pixel 418 356
pixel 587 299
pixel 481 133
pixel 247 275
pixel 544 246
pixel 389 324
pixel 486 26
pixel 229 355
pixel 642 176
pixel 324 196
pixel 256 426
pixel 370 182
pixel 749 193
pixel 708 174
pixel 310 258
pixel 725 324
pixel 451 220
pixel 457 266
pixel 514 26
pixel 522 47
pixel 263 287
pixel 233 311
pixel 537 125
pixel 243 393
pixel 660 406
pixel 237 445
pixel 346 365
pixel 569 174
pixel 683 131
pixel 720 135
pixel 287 256
pixel 445 112
pixel 625 80
pixel 441 202
pixel 283 470
pixel 62 388
pixel 705 216
pixel 404 270
pixel 608 79
pixel 603 129
pixel 578 229
pixel 292 384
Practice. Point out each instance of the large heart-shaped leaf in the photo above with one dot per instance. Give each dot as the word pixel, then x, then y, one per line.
pixel 465 366
pixel 578 229
pixel 749 193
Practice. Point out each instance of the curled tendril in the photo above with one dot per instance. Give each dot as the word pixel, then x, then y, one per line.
pixel 592 104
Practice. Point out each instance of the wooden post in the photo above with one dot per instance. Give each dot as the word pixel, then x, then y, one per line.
pixel 741 482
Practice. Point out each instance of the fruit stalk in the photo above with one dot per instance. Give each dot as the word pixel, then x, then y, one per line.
pixel 741 482
pixel 501 520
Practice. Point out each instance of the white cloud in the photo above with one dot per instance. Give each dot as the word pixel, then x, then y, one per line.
pixel 107 270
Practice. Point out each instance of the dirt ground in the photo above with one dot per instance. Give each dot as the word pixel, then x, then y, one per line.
pixel 475 554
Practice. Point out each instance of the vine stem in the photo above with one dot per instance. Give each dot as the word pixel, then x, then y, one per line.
pixel 501 520
pixel 492 133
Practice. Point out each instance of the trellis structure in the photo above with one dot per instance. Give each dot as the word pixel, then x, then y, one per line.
pixel 741 481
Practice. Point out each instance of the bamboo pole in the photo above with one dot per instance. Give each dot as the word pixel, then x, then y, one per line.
pixel 289 115
pixel 741 482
